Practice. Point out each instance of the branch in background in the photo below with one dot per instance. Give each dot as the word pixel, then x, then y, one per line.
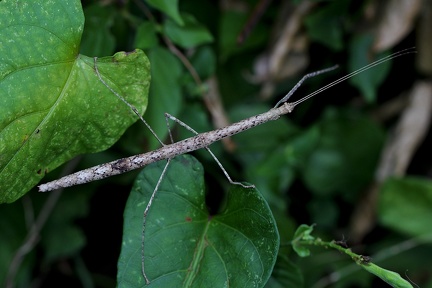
pixel 32 237
pixel 397 154
pixel 285 42
pixel 211 99
pixel 253 19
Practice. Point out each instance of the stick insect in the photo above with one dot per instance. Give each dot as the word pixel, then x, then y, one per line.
pixel 203 140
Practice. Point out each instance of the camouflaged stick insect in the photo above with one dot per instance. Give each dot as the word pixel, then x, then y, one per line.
pixel 193 143
pixel 201 140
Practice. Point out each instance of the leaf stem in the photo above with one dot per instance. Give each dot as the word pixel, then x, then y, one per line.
pixel 390 277
pixel 359 259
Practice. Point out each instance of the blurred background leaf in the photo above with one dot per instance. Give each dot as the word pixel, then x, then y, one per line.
pixel 188 35
pixel 405 206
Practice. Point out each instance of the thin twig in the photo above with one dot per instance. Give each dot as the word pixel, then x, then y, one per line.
pixel 32 237
pixel 211 101
pixel 145 10
pixel 253 19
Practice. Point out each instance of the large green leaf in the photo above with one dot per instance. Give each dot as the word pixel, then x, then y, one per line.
pixel 187 247
pixel 52 104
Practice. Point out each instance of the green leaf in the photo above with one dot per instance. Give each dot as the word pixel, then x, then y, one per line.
pixel 285 274
pixel 273 175
pixel 345 157
pixel 146 36
pixel 231 24
pixel 303 232
pixel 97 38
pixel 165 92
pixel 189 35
pixel 324 212
pixel 301 146
pixel 169 7
pixel 184 246
pixel 53 105
pixel 324 26
pixel 390 277
pixel 13 232
pixel 368 81
pixel 405 205
pixel 73 241
pixel 204 61
pixel 61 225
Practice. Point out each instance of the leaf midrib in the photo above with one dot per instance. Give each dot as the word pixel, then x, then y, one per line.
pixel 193 269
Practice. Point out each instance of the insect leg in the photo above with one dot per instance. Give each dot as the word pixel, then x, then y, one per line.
pixel 169 116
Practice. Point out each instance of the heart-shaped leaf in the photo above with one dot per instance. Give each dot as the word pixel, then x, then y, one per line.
pixel 186 247
pixel 52 104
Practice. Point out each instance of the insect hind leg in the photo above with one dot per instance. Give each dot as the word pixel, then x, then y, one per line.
pixel 146 211
pixel 181 123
